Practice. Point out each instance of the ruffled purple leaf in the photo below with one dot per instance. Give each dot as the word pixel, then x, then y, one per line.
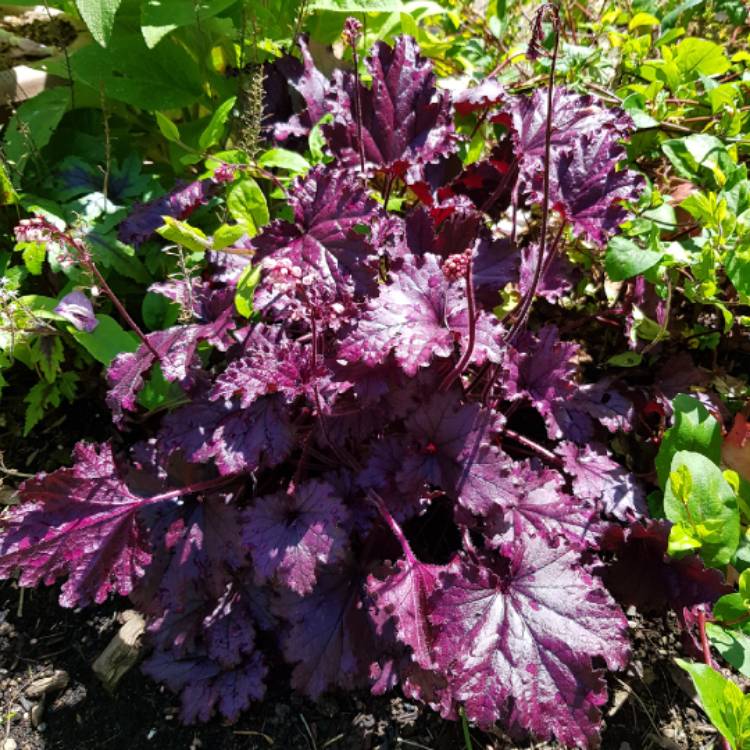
pixel 206 686
pixel 588 191
pixel 330 637
pixel 82 523
pixel 598 478
pixel 488 93
pixel 145 218
pixel 406 120
pixel 574 116
pixel 420 315
pixel 291 535
pixel 245 439
pixel 518 640
pixel 76 308
pixel 401 592
pixel 645 576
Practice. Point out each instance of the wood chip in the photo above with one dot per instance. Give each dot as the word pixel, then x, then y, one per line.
pixel 58 680
pixel 122 653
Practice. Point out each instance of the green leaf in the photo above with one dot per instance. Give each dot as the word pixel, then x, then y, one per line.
pixel 625 258
pixel 226 235
pixel 48 353
pixel 107 340
pixel 160 17
pixel 694 56
pixel 246 284
pixel 247 205
pixel 625 359
pixel 357 6
pixel 152 79
pixel 737 266
pixel 168 129
pixel 44 396
pixel 158 312
pixel 697 496
pixel 214 131
pixel 182 233
pixel 733 644
pixel 693 429
pixel 317 141
pixel 724 703
pixel 280 158
pixel 99 16
pixel 33 255
pixel 8 194
pixel 690 154
pixel 33 124
pixel 158 392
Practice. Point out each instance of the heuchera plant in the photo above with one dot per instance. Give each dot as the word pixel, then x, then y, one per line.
pixel 344 486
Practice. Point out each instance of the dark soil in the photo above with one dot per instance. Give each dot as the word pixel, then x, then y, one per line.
pixel 649 707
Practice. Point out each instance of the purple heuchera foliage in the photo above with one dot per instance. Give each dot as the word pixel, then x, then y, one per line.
pixel 365 402
pixel 146 218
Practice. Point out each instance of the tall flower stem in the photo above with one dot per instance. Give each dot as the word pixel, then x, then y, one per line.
pixel 472 315
pixel 352 30
pixel 540 261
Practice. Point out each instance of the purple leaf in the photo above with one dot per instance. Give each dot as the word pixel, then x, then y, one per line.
pixel 541 370
pixel 518 641
pixel 488 93
pixel 597 477
pixel 146 218
pixel 401 592
pixel 80 522
pixel 587 190
pixel 245 439
pixel 290 535
pixel 556 280
pixel 330 637
pixel 420 315
pixel 205 686
pixel 311 85
pixel 76 309
pixel 406 121
pixel 518 500
pixel 574 116
pixel 320 252
pixel 173 348
pixel 646 577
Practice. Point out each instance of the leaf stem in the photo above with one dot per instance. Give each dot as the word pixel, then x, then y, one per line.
pixel 190 489
pixel 393 525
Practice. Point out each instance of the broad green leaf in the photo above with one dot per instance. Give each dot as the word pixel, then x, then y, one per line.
pixel 158 392
pixel 737 266
pixel 357 6
pixel 33 124
pixel 158 312
pixel 168 129
pixel 160 17
pixel 246 284
pixel 625 258
pixel 182 233
pixel 690 154
pixel 693 429
pixel 733 644
pixel 694 56
pixel 281 158
pixel 214 131
pixel 697 496
pixel 99 16
pixel 226 235
pixel 642 19
pixel 34 254
pixel 247 205
pixel 107 340
pixel 152 79
pixel 724 703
